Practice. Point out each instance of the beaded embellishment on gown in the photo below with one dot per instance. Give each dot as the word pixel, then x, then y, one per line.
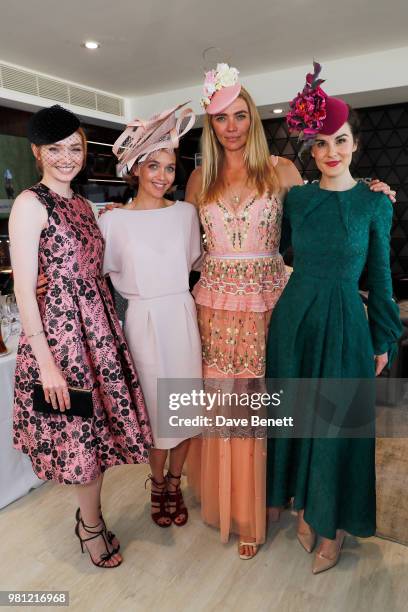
pixel 242 278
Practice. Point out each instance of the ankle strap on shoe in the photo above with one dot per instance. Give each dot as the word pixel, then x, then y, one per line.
pixel 99 525
pixel 158 484
pixel 170 475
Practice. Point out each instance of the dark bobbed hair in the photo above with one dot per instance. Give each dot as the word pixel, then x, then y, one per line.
pixel 355 124
pixel 355 127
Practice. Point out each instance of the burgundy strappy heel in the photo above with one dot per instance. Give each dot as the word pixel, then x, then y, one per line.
pixel 160 513
pixel 179 515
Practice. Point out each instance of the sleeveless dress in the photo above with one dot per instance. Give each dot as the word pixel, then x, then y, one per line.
pixel 149 255
pixel 87 343
pixel 242 277
pixel 319 329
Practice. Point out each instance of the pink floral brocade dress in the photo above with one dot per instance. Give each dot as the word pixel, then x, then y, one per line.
pixel 242 278
pixel 86 341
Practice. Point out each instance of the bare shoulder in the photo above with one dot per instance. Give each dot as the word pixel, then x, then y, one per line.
pixel 26 197
pixel 287 173
pixel 193 187
pixel 280 161
pixel 27 202
pixel 284 164
pixel 28 216
pixel 196 174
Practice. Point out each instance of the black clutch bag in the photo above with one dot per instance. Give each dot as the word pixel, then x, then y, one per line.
pixel 81 402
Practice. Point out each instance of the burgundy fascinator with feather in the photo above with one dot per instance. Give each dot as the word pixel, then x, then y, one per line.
pixel 313 111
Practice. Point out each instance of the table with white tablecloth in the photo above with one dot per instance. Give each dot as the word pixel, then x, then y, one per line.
pixel 16 473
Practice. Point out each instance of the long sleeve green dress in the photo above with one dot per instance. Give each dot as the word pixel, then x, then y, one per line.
pixel 319 329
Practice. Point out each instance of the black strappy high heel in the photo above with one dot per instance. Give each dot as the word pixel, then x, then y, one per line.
pixel 109 534
pixel 104 557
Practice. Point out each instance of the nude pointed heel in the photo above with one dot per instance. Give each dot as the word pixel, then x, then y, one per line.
pixel 322 563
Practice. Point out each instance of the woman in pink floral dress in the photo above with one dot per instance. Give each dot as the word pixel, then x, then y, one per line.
pixel 72 338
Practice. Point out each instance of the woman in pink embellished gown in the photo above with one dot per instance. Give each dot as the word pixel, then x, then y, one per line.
pixel 71 338
pixel 238 191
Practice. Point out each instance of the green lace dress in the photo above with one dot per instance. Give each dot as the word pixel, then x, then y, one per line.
pixel 319 329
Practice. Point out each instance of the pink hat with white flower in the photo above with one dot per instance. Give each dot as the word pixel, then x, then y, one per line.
pixel 314 112
pixel 221 88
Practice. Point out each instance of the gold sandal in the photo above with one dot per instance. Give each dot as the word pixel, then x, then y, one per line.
pixel 252 544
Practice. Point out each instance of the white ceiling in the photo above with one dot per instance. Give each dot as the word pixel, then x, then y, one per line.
pixel 158 45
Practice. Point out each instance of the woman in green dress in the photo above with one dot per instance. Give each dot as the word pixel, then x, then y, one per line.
pixel 319 328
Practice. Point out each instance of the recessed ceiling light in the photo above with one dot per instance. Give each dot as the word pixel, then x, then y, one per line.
pixel 91 44
pixel 278 111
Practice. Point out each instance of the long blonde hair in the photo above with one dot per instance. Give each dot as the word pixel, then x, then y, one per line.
pixel 260 170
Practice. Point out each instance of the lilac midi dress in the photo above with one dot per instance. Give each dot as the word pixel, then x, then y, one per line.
pixel 149 255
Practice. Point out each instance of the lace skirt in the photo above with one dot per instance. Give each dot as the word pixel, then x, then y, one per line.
pixel 234 299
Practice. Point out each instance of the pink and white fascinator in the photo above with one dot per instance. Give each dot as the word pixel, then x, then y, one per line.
pixel 221 88
pixel 144 136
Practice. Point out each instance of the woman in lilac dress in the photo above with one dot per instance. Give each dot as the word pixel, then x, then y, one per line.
pixel 151 245
pixel 71 337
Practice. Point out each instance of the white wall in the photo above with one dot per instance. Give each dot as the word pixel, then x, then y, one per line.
pixel 15 99
pixel 365 75
pixel 364 80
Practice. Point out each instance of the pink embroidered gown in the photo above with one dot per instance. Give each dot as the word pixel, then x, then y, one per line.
pixel 242 278
pixel 86 341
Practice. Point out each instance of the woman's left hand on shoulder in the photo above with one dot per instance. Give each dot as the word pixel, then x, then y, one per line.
pixel 110 206
pixel 377 185
pixel 380 363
